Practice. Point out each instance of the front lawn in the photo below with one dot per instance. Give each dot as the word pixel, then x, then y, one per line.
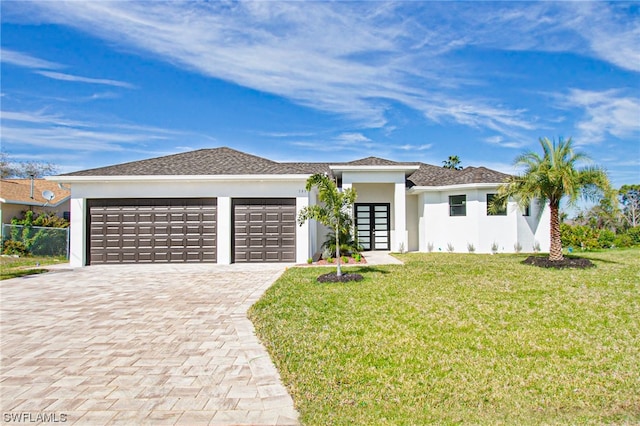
pixel 13 267
pixel 460 338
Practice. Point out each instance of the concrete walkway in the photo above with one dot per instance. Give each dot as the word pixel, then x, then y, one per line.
pixel 160 344
pixel 380 258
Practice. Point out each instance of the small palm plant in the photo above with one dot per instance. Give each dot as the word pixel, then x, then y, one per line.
pixel 333 211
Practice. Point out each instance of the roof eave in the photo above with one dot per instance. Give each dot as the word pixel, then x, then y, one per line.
pixel 439 188
pixel 168 178
pixel 339 169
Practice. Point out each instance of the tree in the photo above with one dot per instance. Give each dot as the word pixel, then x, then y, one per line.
pixel 453 163
pixel 24 169
pixel 604 215
pixel 630 200
pixel 550 178
pixel 334 210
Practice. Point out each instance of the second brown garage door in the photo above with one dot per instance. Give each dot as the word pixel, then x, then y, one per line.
pixel 264 230
pixel 152 230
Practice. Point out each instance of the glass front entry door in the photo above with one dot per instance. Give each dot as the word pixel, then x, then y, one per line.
pixel 373 226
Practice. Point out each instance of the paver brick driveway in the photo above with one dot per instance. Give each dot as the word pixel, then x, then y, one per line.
pixel 158 344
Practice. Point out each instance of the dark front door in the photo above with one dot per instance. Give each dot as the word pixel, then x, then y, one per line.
pixel 373 226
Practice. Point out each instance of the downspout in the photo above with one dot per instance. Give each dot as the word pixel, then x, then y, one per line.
pixel 32 184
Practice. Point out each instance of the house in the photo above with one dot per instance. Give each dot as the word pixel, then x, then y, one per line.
pixel 226 206
pixel 20 195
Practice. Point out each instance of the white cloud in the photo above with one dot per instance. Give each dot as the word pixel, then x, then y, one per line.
pixel 43 130
pixel 608 112
pixel 410 147
pixel 27 61
pixel 299 51
pixel 352 137
pixel 356 59
pixel 75 78
pixel 506 143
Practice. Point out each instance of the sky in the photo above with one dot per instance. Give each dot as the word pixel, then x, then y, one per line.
pixel 90 84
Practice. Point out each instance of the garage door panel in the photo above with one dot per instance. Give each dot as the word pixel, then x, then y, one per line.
pixel 147 231
pixel 288 229
pixel 273 217
pixel 264 230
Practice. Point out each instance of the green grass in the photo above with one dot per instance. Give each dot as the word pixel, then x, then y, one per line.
pixel 13 267
pixel 449 339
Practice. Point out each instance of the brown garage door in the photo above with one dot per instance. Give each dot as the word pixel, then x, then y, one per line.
pixel 152 231
pixel 264 230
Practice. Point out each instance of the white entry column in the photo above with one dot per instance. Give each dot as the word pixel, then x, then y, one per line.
pixel 400 238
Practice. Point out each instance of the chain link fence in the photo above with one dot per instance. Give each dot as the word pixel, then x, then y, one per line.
pixel 38 240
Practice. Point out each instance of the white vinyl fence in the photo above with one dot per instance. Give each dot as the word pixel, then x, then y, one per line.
pixel 38 240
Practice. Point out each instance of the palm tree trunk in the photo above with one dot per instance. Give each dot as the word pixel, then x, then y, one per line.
pixel 555 250
pixel 338 271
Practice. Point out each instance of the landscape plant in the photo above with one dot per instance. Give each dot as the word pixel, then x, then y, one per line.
pixel 494 247
pixel 348 244
pixel 333 210
pixel 552 177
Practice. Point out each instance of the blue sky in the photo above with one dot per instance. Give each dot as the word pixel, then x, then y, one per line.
pixel 88 84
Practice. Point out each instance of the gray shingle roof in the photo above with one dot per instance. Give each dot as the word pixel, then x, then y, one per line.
pixel 376 161
pixel 227 161
pixel 429 175
pixel 216 161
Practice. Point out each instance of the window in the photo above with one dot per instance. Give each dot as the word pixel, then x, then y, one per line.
pixel 501 212
pixel 457 205
pixel 66 215
pixel 527 210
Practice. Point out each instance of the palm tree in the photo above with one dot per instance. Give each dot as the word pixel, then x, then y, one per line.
pixel 550 178
pixel 453 162
pixel 333 212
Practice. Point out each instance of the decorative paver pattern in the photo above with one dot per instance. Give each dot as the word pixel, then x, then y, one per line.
pixel 157 344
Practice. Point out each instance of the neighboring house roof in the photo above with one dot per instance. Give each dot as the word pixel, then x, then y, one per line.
pixel 18 191
pixel 227 161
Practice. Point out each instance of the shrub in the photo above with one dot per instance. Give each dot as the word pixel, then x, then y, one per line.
pixel 580 236
pixel 606 238
pixel 623 240
pixel 634 234
pixel 471 248
pixel 348 245
pixel 494 247
pixel 450 248
pixel 14 247
pixel 517 247
pixel 357 257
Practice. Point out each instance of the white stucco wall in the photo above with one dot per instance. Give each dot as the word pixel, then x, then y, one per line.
pixel 437 228
pixel 412 223
pixel 223 190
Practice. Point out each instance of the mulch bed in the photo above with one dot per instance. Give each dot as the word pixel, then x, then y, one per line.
pixel 351 261
pixel 567 262
pixel 333 278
